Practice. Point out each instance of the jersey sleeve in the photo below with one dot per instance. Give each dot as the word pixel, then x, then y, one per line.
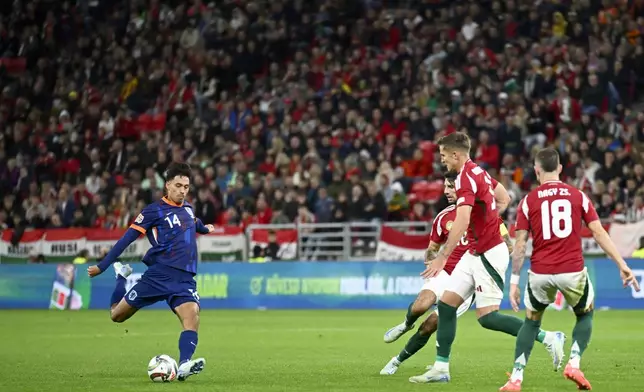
pixel 523 220
pixel 438 235
pixel 465 192
pixel 201 228
pixel 147 219
pixel 589 214
pixel 493 182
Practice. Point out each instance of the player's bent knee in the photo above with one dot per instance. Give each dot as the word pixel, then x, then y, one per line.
pixel 121 312
pixel 118 317
pixel 581 312
pixel 452 299
pixel 425 300
pixel 430 325
pixel 533 315
pixel 484 311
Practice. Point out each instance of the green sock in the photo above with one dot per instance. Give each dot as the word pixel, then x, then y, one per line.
pixel 525 342
pixel 411 318
pixel 446 331
pixel 581 336
pixel 415 343
pixel 511 325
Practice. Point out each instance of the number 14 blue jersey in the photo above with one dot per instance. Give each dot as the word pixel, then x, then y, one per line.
pixel 172 231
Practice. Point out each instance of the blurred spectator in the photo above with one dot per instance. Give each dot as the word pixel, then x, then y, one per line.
pixel 310 111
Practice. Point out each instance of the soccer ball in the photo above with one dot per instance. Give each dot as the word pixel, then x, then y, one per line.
pixel 162 368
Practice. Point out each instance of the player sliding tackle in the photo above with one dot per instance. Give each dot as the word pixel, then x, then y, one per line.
pixel 171 228
pixel 553 213
pixel 482 269
pixel 434 287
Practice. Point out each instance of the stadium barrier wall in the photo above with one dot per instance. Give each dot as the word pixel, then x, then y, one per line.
pixel 278 285
pixel 364 241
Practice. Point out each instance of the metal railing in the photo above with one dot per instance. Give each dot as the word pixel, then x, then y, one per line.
pixel 337 241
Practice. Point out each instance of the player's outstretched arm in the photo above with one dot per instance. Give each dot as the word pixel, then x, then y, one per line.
pixel 607 244
pixel 502 197
pixel 130 236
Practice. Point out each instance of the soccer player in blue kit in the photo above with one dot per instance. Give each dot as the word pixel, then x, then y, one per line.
pixel 171 228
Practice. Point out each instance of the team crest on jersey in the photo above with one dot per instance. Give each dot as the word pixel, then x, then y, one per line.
pixel 132 296
pixel 448 225
pixel 192 215
pixel 139 219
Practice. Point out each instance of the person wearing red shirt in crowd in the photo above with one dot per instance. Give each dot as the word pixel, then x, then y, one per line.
pixel 487 155
pixel 418 166
pixel 264 214
pixel 553 213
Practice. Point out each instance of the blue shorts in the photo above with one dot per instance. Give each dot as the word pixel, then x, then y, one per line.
pixel 160 282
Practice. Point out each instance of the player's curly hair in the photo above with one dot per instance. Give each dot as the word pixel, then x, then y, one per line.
pixel 178 169
pixel 450 177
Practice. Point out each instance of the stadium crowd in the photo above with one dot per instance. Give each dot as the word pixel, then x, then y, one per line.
pixel 310 110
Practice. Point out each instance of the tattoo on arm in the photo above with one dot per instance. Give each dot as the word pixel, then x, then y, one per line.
pixel 519 251
pixel 508 242
pixel 432 251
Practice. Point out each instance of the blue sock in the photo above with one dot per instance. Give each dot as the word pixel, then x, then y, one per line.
pixel 187 345
pixel 119 290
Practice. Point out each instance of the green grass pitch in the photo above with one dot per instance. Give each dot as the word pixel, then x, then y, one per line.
pixel 303 351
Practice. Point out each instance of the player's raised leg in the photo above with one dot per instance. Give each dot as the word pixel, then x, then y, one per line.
pixel 120 310
pixel 423 302
pixel 187 309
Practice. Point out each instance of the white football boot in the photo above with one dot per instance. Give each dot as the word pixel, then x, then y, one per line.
pixel 391 367
pixel 396 332
pixel 189 368
pixel 431 376
pixel 554 343
pixel 122 269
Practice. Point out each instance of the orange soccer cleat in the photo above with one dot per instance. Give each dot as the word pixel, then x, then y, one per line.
pixel 577 376
pixel 511 386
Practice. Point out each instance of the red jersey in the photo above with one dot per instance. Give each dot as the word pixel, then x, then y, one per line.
pixel 440 231
pixel 474 187
pixel 553 213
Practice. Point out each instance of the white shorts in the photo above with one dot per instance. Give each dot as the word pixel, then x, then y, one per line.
pixel 483 275
pixel 438 284
pixel 576 288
